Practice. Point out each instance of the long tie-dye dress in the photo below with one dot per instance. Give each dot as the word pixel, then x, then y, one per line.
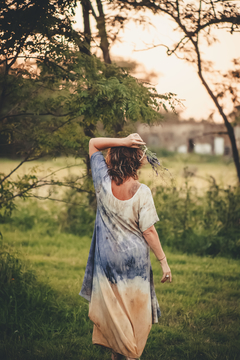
pixel 118 280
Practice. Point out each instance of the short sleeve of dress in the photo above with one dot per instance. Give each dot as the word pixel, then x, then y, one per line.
pixel 147 213
pixel 99 169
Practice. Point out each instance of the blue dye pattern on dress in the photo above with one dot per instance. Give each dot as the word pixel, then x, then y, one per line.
pixel 118 250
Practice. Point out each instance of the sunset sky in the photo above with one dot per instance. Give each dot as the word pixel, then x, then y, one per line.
pixel 175 75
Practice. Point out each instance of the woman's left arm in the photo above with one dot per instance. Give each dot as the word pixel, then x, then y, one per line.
pixel 101 143
pixel 151 237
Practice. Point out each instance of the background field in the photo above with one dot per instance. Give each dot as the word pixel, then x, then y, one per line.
pixel 43 317
pixel 201 166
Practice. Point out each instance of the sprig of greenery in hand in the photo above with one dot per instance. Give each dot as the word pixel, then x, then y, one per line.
pixel 152 159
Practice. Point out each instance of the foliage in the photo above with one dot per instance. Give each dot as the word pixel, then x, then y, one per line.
pixel 77 217
pixel 63 123
pixel 54 92
pixel 31 27
pixel 203 225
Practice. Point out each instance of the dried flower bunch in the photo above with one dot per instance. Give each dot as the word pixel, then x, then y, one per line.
pixel 151 158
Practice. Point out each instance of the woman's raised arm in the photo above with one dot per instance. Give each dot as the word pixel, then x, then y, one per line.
pixel 101 143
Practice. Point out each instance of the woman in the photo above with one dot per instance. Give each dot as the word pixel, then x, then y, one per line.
pixel 118 280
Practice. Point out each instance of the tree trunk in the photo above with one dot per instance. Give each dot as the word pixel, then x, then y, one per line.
pixel 89 131
pixel 101 25
pixel 228 125
pixel 87 28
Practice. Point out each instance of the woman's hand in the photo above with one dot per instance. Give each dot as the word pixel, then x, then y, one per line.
pixel 166 271
pixel 133 141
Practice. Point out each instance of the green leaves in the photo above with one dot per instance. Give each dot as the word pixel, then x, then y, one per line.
pixel 53 99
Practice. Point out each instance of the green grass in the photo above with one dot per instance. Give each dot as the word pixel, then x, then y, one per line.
pixel 41 314
pixel 43 317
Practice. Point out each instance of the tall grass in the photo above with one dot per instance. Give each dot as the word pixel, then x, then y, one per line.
pixel 205 225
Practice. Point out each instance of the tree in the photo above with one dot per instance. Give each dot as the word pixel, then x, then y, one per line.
pixel 197 22
pixel 53 92
pixel 88 9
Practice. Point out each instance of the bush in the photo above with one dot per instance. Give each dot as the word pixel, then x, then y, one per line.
pixel 78 217
pixel 204 225
pixel 31 213
pixel 74 216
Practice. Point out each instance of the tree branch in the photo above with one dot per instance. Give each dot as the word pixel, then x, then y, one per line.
pixel 199 18
pixel 169 51
pixel 231 20
pixel 17 167
pixel 89 4
pixel 63 168
pixel 32 114
pixel 54 199
pixel 220 109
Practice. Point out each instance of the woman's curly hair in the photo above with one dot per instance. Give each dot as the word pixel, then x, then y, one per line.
pixel 123 162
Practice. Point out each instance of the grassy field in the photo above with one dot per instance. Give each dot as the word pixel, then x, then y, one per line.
pixel 201 167
pixel 43 317
pixel 47 319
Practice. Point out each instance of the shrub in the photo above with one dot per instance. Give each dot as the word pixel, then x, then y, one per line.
pixel 31 213
pixel 77 217
pixel 204 225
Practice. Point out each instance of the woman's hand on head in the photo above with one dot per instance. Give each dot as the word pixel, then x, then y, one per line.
pixel 133 141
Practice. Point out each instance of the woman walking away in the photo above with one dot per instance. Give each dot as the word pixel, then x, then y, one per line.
pixel 118 280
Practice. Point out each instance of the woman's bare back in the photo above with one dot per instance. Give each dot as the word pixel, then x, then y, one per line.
pixel 126 190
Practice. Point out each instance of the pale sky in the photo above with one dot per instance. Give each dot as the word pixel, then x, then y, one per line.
pixel 175 75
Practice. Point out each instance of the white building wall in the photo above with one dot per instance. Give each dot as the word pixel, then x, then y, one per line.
pixel 203 148
pixel 218 146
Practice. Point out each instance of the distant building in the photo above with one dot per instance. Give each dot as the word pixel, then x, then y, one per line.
pixel 189 136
